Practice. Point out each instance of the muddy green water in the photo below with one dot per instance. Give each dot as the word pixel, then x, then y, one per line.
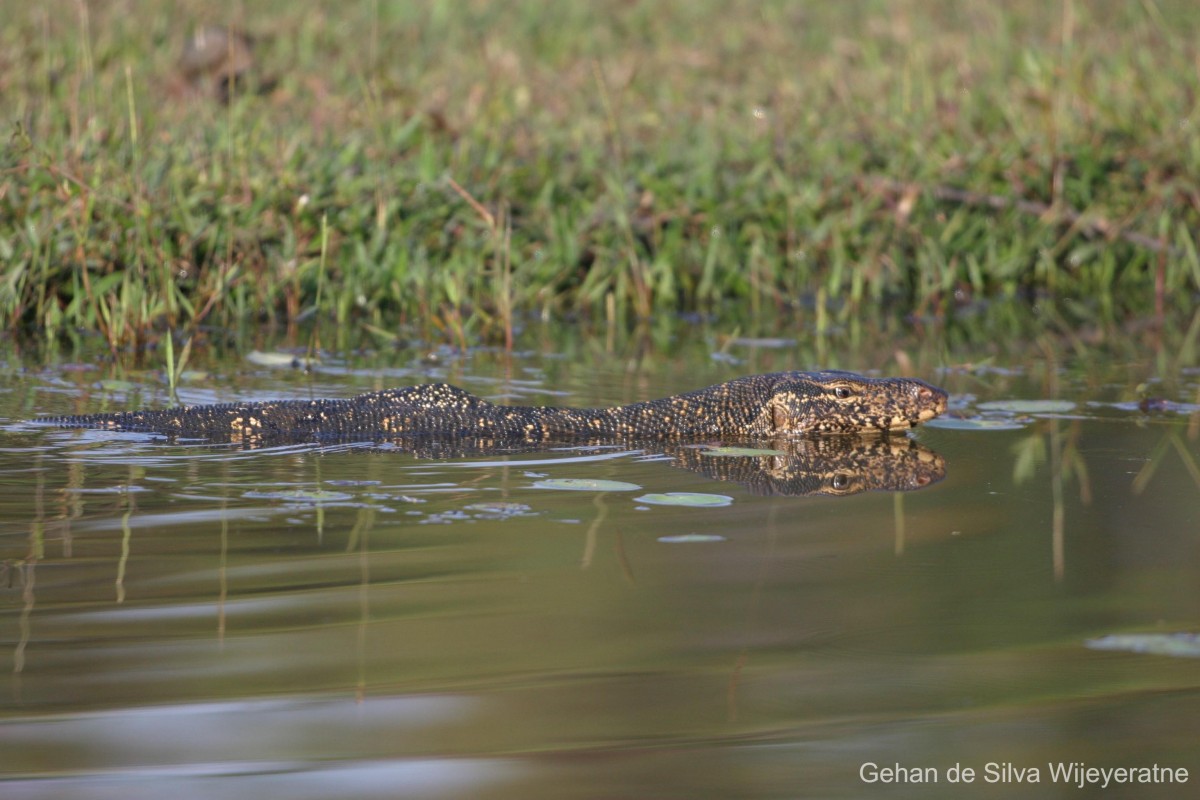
pixel 190 621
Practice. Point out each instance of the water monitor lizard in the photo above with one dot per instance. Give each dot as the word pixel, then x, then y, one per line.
pixel 774 404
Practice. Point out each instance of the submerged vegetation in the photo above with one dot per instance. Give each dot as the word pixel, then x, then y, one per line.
pixel 450 167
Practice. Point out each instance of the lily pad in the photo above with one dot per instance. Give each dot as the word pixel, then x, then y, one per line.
pixel 740 451
pixel 697 499
pixel 1028 406
pixel 1180 645
pixel 302 495
pixel 689 538
pixel 586 485
pixel 975 424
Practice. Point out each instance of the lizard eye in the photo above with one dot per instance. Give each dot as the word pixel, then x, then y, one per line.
pixel 840 482
pixel 778 417
pixel 843 392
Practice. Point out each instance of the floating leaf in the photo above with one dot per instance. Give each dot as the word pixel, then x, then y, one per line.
pixel 1181 645
pixel 688 538
pixel 586 485
pixel 975 424
pixel 1028 406
pixel 740 451
pixel 303 495
pixel 685 499
pixel 749 341
pixel 261 359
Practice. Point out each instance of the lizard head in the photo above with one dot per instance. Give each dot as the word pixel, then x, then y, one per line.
pixel 845 402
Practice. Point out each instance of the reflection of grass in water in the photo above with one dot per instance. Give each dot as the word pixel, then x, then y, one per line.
pixel 1169 440
pixel 644 156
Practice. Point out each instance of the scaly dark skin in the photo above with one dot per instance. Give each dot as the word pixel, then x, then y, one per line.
pixel 757 406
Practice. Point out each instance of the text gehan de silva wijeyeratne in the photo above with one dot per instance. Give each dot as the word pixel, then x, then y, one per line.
pixel 1075 773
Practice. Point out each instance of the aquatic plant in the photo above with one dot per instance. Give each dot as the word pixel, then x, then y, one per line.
pixel 453 172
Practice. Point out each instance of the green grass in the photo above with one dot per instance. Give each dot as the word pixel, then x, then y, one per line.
pixel 448 167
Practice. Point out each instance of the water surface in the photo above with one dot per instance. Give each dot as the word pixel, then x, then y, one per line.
pixel 191 620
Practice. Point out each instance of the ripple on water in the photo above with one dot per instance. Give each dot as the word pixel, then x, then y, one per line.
pixel 303 747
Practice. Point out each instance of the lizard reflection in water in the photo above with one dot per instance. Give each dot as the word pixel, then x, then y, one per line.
pixel 832 466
